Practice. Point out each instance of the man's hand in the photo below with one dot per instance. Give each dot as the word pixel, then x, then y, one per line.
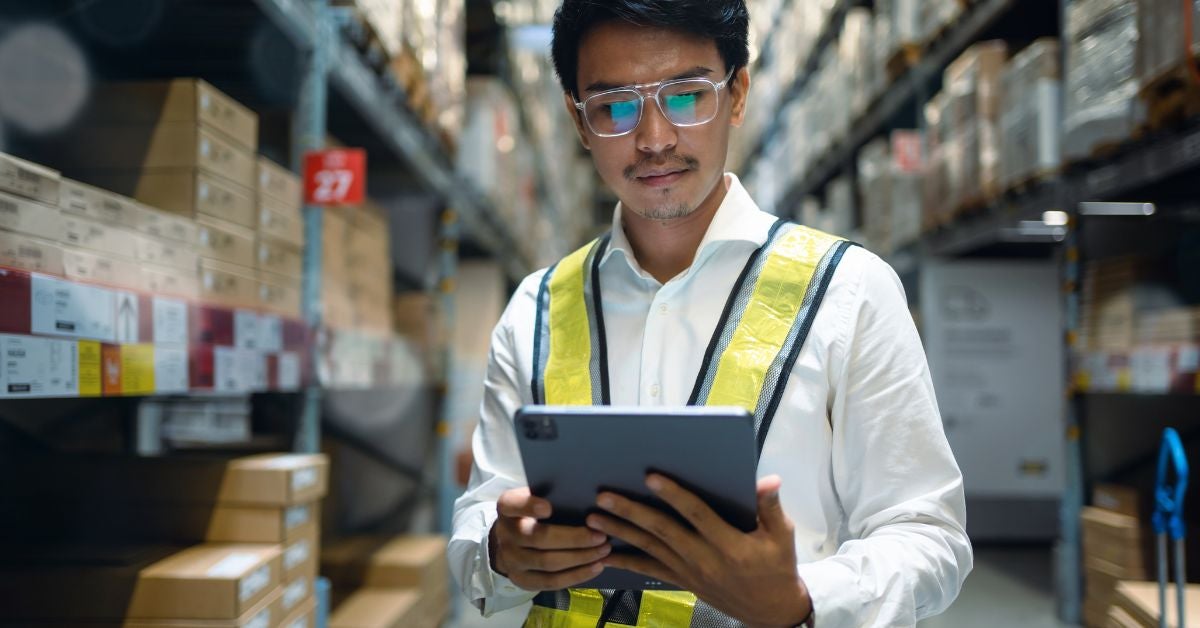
pixel 538 556
pixel 751 577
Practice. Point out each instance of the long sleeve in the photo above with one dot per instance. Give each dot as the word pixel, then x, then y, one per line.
pixel 905 552
pixel 497 469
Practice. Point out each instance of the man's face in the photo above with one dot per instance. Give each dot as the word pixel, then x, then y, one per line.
pixel 659 170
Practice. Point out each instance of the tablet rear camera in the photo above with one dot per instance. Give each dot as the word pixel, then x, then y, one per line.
pixel 540 429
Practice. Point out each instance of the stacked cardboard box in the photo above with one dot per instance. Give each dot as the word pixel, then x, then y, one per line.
pixel 357 290
pixel 1137 606
pixel 1031 104
pixel 973 87
pixel 388 582
pixel 57 226
pixel 279 239
pixel 184 147
pixel 1161 48
pixel 270 500
pixel 889 176
pixel 1114 548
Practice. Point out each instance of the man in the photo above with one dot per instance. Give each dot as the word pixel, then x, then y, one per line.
pixel 861 508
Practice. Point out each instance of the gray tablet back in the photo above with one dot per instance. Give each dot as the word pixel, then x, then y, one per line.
pixel 572 453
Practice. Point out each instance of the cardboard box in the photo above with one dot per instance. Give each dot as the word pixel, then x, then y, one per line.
pixel 280 184
pixel 100 205
pixel 164 146
pixel 279 294
pixel 1115 498
pixel 225 242
pixel 180 100
pixel 29 180
pixel 267 613
pixel 88 234
pixel 379 608
pixel 280 258
pixel 171 227
pixel 229 285
pixel 280 223
pixel 205 582
pixel 168 254
pixel 29 253
pixel 162 280
pixel 184 191
pixel 255 524
pixel 305 616
pixel 98 267
pixel 1113 543
pixel 417 562
pixel 21 215
pixel 1140 601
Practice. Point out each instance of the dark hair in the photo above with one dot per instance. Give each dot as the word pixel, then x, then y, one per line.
pixel 726 21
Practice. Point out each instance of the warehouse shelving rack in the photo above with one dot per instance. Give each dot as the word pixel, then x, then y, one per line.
pixel 331 68
pixel 1140 171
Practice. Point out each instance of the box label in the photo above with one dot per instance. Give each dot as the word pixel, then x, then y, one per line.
pixel 38 367
pixel 295 593
pixel 239 370
pixel 137 370
pixel 270 333
pixel 127 318
pixel 303 478
pixel 289 371
pixel 245 329
pixel 170 321
pixel 63 308
pixel 90 373
pixel 254 583
pixel 296 554
pixel 170 369
pixel 295 517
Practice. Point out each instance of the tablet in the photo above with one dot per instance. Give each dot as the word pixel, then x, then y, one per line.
pixel 570 454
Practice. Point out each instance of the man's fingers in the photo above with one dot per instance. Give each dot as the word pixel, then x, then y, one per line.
pixel 708 523
pixel 519 502
pixel 542 581
pixel 638 538
pixel 644 565
pixel 531 533
pixel 770 507
pixel 557 561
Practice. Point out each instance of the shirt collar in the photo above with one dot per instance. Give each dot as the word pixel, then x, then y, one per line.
pixel 738 219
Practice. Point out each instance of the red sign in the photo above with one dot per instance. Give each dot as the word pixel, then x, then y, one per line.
pixel 335 177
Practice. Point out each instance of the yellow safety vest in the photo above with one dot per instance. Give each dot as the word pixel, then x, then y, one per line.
pixel 762 329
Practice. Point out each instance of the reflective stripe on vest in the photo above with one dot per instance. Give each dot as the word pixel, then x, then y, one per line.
pixel 753 350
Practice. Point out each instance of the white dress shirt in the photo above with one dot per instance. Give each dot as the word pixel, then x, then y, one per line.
pixel 868 476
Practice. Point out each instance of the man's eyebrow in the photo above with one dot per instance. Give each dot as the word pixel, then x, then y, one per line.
pixel 696 72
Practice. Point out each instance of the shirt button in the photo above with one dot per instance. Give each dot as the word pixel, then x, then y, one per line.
pixel 664 308
pixel 654 390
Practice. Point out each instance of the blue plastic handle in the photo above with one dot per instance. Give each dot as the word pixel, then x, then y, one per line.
pixel 1168 499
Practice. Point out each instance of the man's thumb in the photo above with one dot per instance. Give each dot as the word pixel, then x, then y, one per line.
pixel 770 508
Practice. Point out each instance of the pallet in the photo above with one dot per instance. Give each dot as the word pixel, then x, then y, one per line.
pixel 906 57
pixel 1171 98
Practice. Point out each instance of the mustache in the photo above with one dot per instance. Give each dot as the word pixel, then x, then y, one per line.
pixel 688 163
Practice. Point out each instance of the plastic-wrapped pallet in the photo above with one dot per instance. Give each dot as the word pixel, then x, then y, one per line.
pixel 904 18
pixel 908 173
pixel 1101 87
pixel 890 175
pixel 855 52
pixel 875 188
pixel 1030 121
pixel 973 85
pixel 1160 45
pixel 943 164
pixel 840 207
pixel 881 50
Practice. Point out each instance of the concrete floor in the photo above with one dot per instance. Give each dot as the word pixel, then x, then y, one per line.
pixel 1009 587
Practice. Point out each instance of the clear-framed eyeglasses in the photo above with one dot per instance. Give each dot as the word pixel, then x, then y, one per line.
pixel 683 102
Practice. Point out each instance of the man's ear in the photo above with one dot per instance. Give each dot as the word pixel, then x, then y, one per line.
pixel 739 94
pixel 577 117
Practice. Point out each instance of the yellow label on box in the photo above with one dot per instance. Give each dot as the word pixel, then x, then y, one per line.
pixel 89 368
pixel 137 369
